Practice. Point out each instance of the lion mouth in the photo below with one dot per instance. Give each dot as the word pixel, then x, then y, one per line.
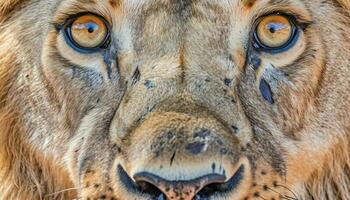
pixel 218 187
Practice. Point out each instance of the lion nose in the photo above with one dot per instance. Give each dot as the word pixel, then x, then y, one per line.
pixel 177 190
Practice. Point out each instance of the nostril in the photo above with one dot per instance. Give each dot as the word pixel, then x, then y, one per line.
pixel 187 190
pixel 139 187
pixel 222 188
pixel 148 188
pixel 209 190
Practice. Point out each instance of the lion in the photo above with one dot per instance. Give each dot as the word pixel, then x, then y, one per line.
pixel 175 99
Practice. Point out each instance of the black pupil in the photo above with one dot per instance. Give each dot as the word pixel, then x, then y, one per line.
pixel 273 27
pixel 91 27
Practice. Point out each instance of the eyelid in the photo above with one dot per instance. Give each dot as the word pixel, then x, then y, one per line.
pixel 301 20
pixel 63 17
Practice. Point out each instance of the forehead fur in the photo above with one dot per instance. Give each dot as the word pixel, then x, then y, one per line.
pixel 7 6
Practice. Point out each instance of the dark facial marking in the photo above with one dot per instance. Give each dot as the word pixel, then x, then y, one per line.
pixel 255 61
pixel 110 58
pixel 202 134
pixel 136 77
pixel 195 147
pixel 172 158
pixel 149 84
pixel 228 82
pixel 235 129
pixel 275 184
pixel 266 92
pixel 265 187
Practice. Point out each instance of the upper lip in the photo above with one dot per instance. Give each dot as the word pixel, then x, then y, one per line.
pixel 216 189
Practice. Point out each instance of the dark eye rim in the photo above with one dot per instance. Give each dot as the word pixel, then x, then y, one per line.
pixel 73 44
pixel 258 45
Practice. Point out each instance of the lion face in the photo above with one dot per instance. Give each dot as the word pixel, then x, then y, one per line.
pixel 166 99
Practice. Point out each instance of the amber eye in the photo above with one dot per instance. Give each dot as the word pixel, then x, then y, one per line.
pixel 87 33
pixel 275 32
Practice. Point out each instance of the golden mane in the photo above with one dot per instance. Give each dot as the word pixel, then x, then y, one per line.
pixel 16 169
pixel 333 181
pixel 24 173
pixel 7 6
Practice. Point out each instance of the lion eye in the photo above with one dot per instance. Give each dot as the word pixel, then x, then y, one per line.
pixel 275 32
pixel 87 33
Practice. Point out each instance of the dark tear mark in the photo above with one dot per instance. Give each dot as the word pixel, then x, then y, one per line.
pixel 255 61
pixel 195 147
pixel 110 57
pixel 136 76
pixel 266 92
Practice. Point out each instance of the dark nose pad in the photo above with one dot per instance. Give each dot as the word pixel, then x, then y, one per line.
pixel 177 190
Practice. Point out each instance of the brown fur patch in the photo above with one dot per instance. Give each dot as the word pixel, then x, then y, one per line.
pixel 248 3
pixel 114 3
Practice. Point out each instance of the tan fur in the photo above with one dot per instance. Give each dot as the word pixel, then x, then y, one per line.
pixel 50 124
pixel 345 4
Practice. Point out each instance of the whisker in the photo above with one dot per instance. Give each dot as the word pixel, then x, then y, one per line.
pixel 282 196
pixel 274 191
pixel 288 198
pixel 295 196
pixel 309 192
pixel 261 197
pixel 63 191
